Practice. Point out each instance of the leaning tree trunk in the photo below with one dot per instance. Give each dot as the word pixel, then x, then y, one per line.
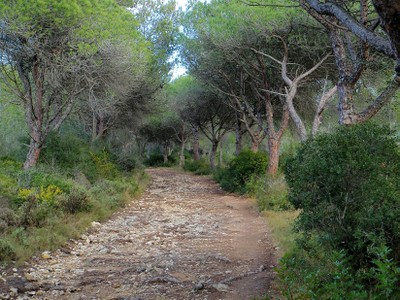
pixel 213 154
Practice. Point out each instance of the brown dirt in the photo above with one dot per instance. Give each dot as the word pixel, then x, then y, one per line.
pixel 183 239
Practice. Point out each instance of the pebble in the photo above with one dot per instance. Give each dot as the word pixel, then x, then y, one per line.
pixel 46 255
pixel 199 286
pixel 221 287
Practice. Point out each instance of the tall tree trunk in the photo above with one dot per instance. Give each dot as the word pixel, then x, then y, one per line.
pixel 33 154
pixel 238 137
pixel 346 107
pixel 255 144
pixel 273 153
pixel 165 156
pixel 196 145
pixel 213 154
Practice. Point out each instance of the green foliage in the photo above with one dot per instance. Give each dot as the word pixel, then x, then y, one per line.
pixel 157 160
pixel 198 167
pixel 328 274
pixel 104 167
pixel 12 125
pixel 7 252
pixel 347 185
pixel 32 213
pixel 77 200
pixel 42 178
pixel 65 151
pixel 271 193
pixel 240 171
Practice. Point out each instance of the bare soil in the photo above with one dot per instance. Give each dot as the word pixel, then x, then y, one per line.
pixel 183 239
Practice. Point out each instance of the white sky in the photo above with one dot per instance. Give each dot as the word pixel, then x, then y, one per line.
pixel 181 3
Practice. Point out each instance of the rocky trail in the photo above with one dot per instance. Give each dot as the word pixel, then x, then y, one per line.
pixel 183 239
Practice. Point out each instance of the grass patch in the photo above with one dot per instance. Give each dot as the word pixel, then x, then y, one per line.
pixel 22 240
pixel 281 225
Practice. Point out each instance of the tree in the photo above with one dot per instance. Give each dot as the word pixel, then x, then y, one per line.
pixel 208 111
pixel 47 51
pixel 352 55
pixel 237 56
pixel 161 132
pixel 158 21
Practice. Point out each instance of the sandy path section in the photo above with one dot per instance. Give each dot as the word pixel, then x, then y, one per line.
pixel 183 239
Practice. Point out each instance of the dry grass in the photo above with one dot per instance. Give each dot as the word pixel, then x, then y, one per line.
pixel 281 224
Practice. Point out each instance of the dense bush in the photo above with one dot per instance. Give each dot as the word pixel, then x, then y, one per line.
pixel 157 160
pixel 347 185
pixel 77 200
pixel 65 151
pixel 198 167
pixel 270 192
pixel 328 274
pixel 240 170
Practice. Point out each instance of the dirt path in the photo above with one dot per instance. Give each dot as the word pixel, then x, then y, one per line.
pixel 183 239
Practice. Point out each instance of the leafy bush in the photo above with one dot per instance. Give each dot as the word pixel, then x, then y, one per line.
pixel 65 150
pixel 241 169
pixel 46 195
pixel 347 185
pixel 157 160
pixel 271 193
pixel 104 167
pixel 7 218
pixel 77 200
pixel 198 167
pixel 126 163
pixel 6 251
pixel 42 178
pixel 32 213
pixel 322 273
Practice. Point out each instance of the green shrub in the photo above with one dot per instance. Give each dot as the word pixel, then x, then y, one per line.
pixel 63 150
pixel 271 193
pixel 76 201
pixel 7 252
pixel 347 185
pixel 32 213
pixel 104 167
pixel 240 171
pixel 198 167
pixel 157 160
pixel 321 273
pixel 126 163
pixel 41 177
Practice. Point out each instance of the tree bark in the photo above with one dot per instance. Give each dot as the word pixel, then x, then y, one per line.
pixel 255 144
pixel 238 135
pixel 389 13
pixel 213 154
pixel 320 109
pixel 33 154
pixel 165 157
pixel 273 157
pixel 196 145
